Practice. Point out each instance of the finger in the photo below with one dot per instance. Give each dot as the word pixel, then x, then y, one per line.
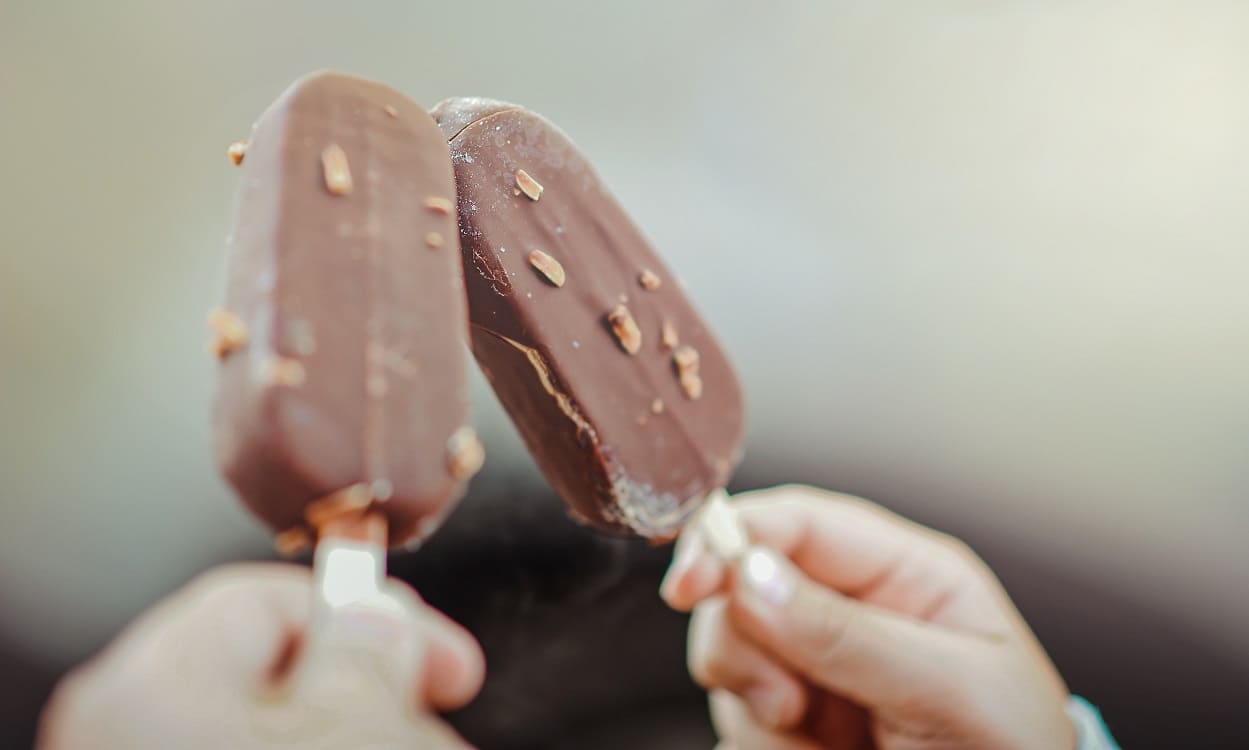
pixel 694 574
pixel 738 730
pixel 870 553
pixel 873 657
pixel 454 667
pixel 720 658
pixel 365 652
pixel 858 548
pixel 259 613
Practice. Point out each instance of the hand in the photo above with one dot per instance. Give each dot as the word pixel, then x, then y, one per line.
pixel 848 627
pixel 228 661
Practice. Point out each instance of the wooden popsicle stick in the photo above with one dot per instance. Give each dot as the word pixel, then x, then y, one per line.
pixel 722 530
pixel 350 561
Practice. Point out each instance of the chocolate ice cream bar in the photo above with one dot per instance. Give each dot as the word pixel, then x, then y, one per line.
pixel 617 385
pixel 342 383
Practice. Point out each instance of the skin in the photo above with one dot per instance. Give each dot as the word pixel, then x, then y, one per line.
pixel 230 661
pixel 850 627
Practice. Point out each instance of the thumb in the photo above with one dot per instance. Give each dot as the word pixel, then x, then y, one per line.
pixel 876 658
pixel 363 638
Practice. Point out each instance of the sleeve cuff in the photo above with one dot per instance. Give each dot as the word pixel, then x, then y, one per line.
pixel 1091 731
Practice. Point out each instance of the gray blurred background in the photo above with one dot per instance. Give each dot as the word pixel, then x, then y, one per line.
pixel 985 262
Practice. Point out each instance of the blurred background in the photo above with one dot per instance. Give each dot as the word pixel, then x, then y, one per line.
pixel 984 262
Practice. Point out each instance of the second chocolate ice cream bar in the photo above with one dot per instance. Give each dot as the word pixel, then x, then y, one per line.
pixel 618 387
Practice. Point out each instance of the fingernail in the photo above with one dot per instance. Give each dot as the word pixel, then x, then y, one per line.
pixel 686 554
pixel 766 577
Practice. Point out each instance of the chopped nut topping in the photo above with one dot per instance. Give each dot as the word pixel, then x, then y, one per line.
pixel 237 151
pixel 625 329
pixel 692 385
pixel 292 541
pixel 668 335
pixel 515 191
pixel 433 240
pixel 686 359
pixel 528 185
pixel 547 266
pixel 286 372
pixel 465 454
pixel 349 500
pixel 390 111
pixel 337 173
pixel 649 280
pixel 229 333
pixel 439 205
pixel 657 406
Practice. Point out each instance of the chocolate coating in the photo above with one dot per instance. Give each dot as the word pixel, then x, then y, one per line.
pixel 349 285
pixel 632 445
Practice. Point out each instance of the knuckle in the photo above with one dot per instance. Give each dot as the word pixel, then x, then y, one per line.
pixel 700 668
pixel 792 495
pixel 958 552
pixel 707 667
pixel 961 549
pixel 234 586
pixel 795 489
pixel 221 578
pixel 213 578
pixel 215 590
